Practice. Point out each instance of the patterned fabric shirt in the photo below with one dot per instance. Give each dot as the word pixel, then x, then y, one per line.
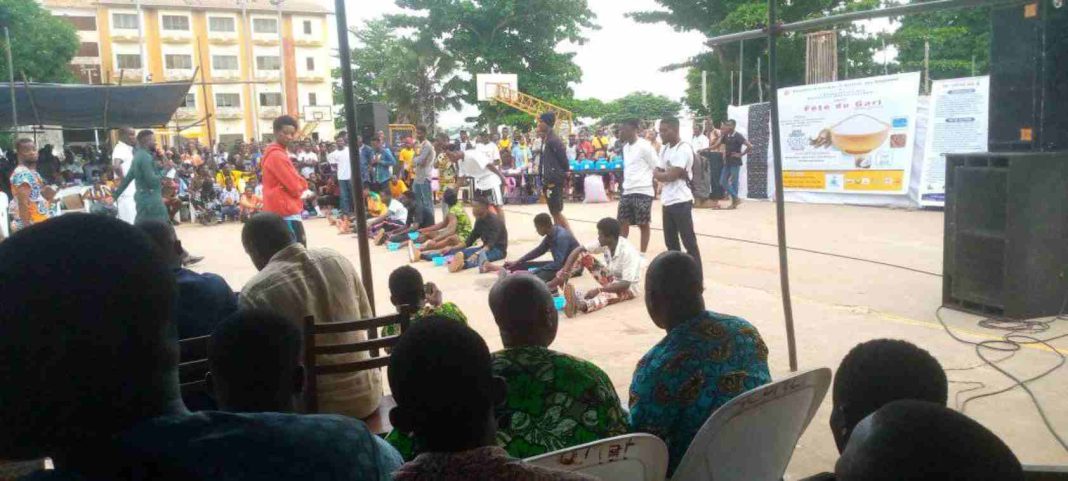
pixel 463 222
pixel 696 368
pixel 39 211
pixel 447 310
pixel 446 172
pixel 488 463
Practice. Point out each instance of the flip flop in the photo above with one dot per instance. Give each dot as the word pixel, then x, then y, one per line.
pixel 457 262
pixel 570 304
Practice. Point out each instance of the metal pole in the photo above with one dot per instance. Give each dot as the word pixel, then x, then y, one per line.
pixel 704 88
pixel 780 203
pixel 886 71
pixel 282 57
pixel 141 42
pixel 741 71
pixel 204 94
pixel 760 81
pixel 252 68
pixel 11 79
pixel 354 156
pixel 926 66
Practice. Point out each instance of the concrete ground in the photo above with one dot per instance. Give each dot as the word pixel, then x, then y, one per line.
pixel 838 302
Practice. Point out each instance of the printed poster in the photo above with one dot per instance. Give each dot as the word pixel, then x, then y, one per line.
pixel 853 136
pixel 958 122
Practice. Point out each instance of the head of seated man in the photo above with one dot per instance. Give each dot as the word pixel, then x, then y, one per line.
pixel 524 311
pixel 920 441
pixel 256 363
pixel 877 372
pixel 264 235
pixel 446 392
pixel 89 373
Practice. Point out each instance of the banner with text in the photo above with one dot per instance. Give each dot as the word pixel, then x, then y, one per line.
pixel 854 136
pixel 957 123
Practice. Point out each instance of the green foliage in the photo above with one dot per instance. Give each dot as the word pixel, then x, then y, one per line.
pixel 509 36
pixel 956 38
pixel 641 106
pixel 42 46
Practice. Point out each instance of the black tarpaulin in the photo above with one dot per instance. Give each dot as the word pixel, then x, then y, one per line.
pixel 92 106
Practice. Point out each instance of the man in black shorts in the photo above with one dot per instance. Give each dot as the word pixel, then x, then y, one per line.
pixel 639 162
pixel 554 168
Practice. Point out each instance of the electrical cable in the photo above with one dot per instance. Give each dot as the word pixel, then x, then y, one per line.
pixel 1017 334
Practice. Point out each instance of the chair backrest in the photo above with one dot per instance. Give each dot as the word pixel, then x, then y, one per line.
pixel 193 365
pixel 630 457
pixel 373 346
pixel 4 222
pixel 753 436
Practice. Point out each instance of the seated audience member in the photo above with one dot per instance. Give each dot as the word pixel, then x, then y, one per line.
pixel 921 441
pixel 295 282
pixel 612 261
pixel 397 187
pixel 418 217
pixel 877 372
pixel 103 202
pixel 93 383
pixel 406 288
pixel 256 363
pixel 204 300
pixel 555 240
pixel 448 234
pixel 490 229
pixel 329 196
pixel 441 377
pixel 705 360
pixel 229 200
pixel 251 204
pixel 390 222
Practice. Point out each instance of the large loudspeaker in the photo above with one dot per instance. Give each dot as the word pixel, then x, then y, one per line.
pixel 1006 233
pixel 371 117
pixel 1029 77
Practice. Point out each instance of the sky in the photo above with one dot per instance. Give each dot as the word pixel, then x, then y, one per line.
pixel 620 58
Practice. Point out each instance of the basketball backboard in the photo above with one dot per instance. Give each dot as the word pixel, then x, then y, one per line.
pixel 488 84
pixel 318 113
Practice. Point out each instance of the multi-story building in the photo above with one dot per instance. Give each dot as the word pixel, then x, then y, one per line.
pixel 251 60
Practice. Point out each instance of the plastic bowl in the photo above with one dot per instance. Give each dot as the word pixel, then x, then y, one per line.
pixel 392 246
pixel 413 235
pixel 439 261
pixel 417 245
pixel 560 302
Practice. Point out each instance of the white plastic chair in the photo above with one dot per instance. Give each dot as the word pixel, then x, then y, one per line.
pixel 5 224
pixel 630 457
pixel 753 437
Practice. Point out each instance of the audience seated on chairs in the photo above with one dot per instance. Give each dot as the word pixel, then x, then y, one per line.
pixel 705 359
pixel 875 373
pixel 92 381
pixel 612 261
pixel 256 363
pixel 296 282
pixel 204 300
pixel 920 441
pixel 445 390
pixel 406 288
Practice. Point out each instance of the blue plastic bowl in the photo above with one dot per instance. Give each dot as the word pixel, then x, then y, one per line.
pixel 413 235
pixel 439 261
pixel 392 246
pixel 560 302
pixel 417 245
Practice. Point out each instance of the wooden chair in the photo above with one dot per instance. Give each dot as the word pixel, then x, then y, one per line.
pixel 192 370
pixel 378 422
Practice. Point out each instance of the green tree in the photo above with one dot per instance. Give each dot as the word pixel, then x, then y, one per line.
pixel 641 106
pixel 959 40
pixel 42 46
pixel 512 36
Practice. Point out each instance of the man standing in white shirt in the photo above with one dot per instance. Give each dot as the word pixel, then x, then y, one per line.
pixel 676 169
pixel 489 148
pixel 340 158
pixel 476 164
pixel 122 159
pixel 702 176
pixel 639 163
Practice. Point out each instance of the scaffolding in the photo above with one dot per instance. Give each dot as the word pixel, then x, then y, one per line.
pixel 529 104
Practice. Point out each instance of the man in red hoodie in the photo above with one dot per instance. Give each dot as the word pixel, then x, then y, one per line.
pixel 282 185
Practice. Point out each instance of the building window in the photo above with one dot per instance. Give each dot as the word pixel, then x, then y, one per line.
pixel 310 61
pixel 125 20
pixel 83 24
pixel 312 100
pixel 224 62
pixel 267 62
pixel 227 100
pixel 176 22
pixel 88 49
pixel 264 25
pixel 178 60
pixel 221 24
pixel 307 27
pixel 271 99
pixel 127 60
pixel 190 101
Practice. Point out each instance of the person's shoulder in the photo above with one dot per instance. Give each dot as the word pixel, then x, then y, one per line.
pixel 579 364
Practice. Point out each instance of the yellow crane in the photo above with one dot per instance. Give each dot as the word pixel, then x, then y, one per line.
pixel 506 95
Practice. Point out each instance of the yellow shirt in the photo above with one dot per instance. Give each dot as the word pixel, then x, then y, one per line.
pixel 375 206
pixel 405 156
pixel 504 144
pixel 397 188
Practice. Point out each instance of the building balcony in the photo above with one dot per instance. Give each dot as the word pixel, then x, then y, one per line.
pixel 265 41
pixel 268 75
pixel 129 75
pixel 125 37
pixel 186 113
pixel 222 38
pixel 177 74
pixel 169 36
pixel 308 42
pixel 270 113
pixel 310 77
pixel 226 75
pixel 229 113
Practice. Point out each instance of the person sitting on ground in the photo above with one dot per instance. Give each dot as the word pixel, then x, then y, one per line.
pixel 705 360
pixel 450 233
pixel 419 217
pixel 297 282
pixel 329 196
pixel 392 221
pixel 917 440
pixel 256 363
pixel 612 261
pixel 251 204
pixel 441 377
pixel 229 200
pixel 93 383
pixel 494 235
pixel 375 208
pixel 556 240
pixel 406 288
pixel 397 187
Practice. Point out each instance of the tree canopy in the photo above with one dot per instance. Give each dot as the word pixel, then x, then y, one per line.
pixel 42 46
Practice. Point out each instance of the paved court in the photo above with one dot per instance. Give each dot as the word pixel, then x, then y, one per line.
pixel 857 273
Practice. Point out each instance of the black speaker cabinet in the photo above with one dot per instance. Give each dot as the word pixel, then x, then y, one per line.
pixel 371 117
pixel 1029 77
pixel 1006 233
